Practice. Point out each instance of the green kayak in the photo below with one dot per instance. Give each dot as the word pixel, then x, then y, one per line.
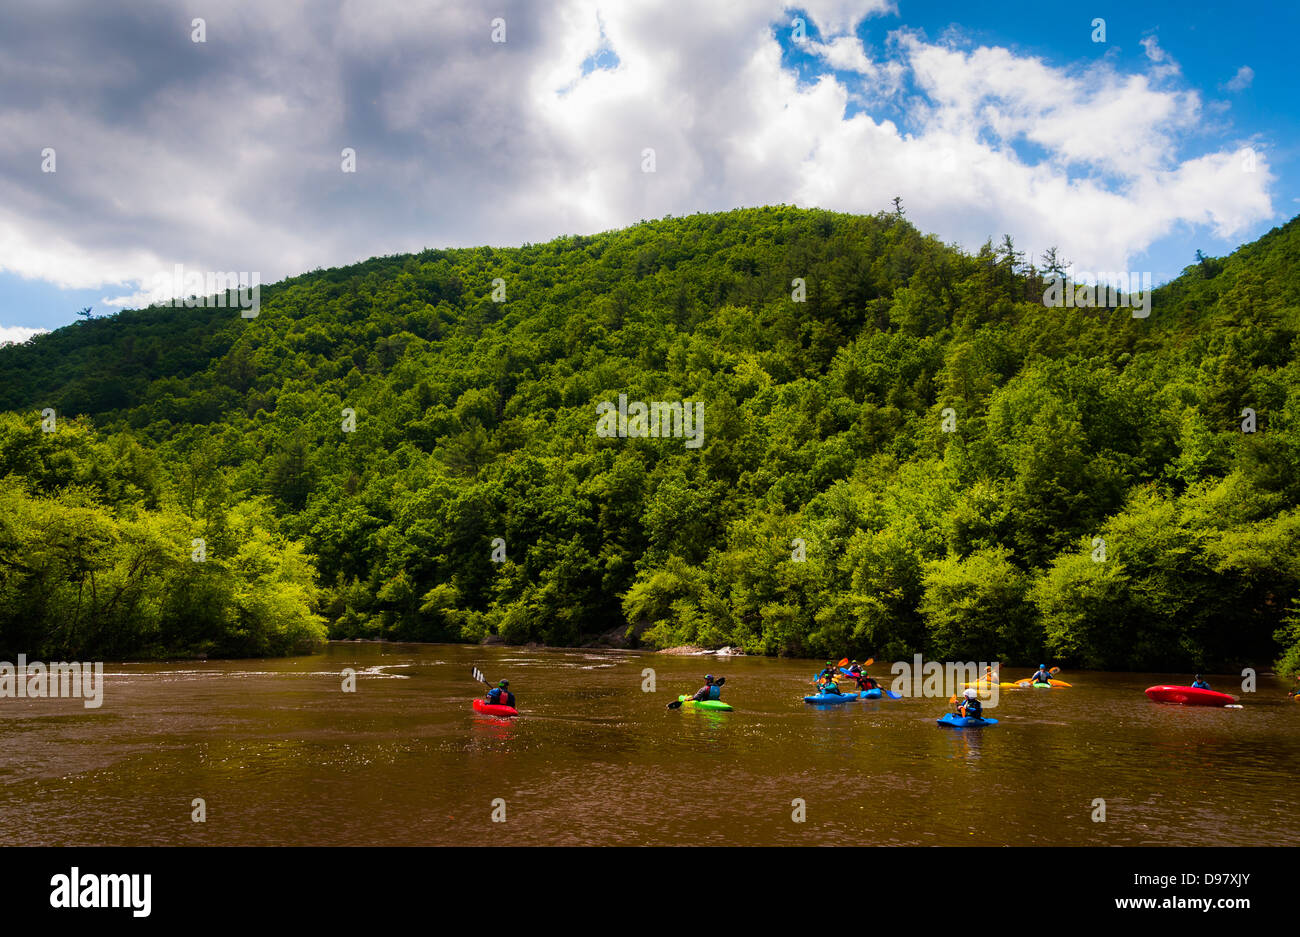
pixel 716 705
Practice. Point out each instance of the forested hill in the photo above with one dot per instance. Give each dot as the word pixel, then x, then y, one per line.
pixel 904 451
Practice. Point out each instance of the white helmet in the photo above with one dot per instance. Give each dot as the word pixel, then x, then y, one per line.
pixel 970 693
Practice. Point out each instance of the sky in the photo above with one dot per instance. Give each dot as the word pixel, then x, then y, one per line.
pixel 1127 135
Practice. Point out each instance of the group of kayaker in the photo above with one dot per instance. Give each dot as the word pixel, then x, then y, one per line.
pixel 967 706
pixel 827 678
pixel 500 694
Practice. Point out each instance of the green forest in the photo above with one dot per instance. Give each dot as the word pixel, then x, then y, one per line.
pixel 904 451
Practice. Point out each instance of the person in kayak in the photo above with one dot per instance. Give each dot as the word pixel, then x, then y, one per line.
pixel 863 679
pixel 971 707
pixel 1041 675
pixel 500 695
pixel 1199 683
pixel 825 680
pixel 710 690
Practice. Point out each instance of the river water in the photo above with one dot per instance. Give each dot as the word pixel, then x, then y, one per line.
pixel 279 754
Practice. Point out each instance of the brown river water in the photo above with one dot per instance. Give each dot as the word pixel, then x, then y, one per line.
pixel 281 756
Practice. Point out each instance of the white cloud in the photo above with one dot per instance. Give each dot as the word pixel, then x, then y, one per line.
pixel 1164 65
pixel 462 141
pixel 16 334
pixel 844 53
pixel 1241 81
pixel 835 17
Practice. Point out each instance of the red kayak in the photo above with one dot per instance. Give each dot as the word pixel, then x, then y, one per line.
pixel 1189 696
pixel 488 709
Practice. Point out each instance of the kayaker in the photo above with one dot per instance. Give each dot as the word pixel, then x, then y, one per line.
pixel 1199 683
pixel 500 695
pixel 971 707
pixel 864 680
pixel 1041 675
pixel 826 679
pixel 710 690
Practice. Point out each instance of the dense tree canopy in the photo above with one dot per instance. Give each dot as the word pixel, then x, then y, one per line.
pixel 904 450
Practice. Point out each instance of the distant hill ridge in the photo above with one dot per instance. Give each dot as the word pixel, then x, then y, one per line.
pixel 903 451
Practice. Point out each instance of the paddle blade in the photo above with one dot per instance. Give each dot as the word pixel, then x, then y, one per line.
pixel 720 681
pixel 478 675
pixel 675 704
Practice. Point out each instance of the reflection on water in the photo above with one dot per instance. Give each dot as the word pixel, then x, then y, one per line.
pixel 494 728
pixel 281 755
pixel 964 744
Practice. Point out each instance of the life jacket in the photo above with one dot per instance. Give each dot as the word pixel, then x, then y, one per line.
pixel 715 692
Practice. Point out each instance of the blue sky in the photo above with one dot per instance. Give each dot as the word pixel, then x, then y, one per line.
pixel 986 119
pixel 1210 46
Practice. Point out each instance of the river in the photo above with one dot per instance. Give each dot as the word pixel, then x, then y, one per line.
pixel 279 754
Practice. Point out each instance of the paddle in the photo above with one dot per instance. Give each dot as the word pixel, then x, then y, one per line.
pixel 478 675
pixel 849 673
pixel 677 703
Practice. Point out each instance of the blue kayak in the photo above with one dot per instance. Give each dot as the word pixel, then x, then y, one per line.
pixel 869 694
pixel 822 698
pixel 962 722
